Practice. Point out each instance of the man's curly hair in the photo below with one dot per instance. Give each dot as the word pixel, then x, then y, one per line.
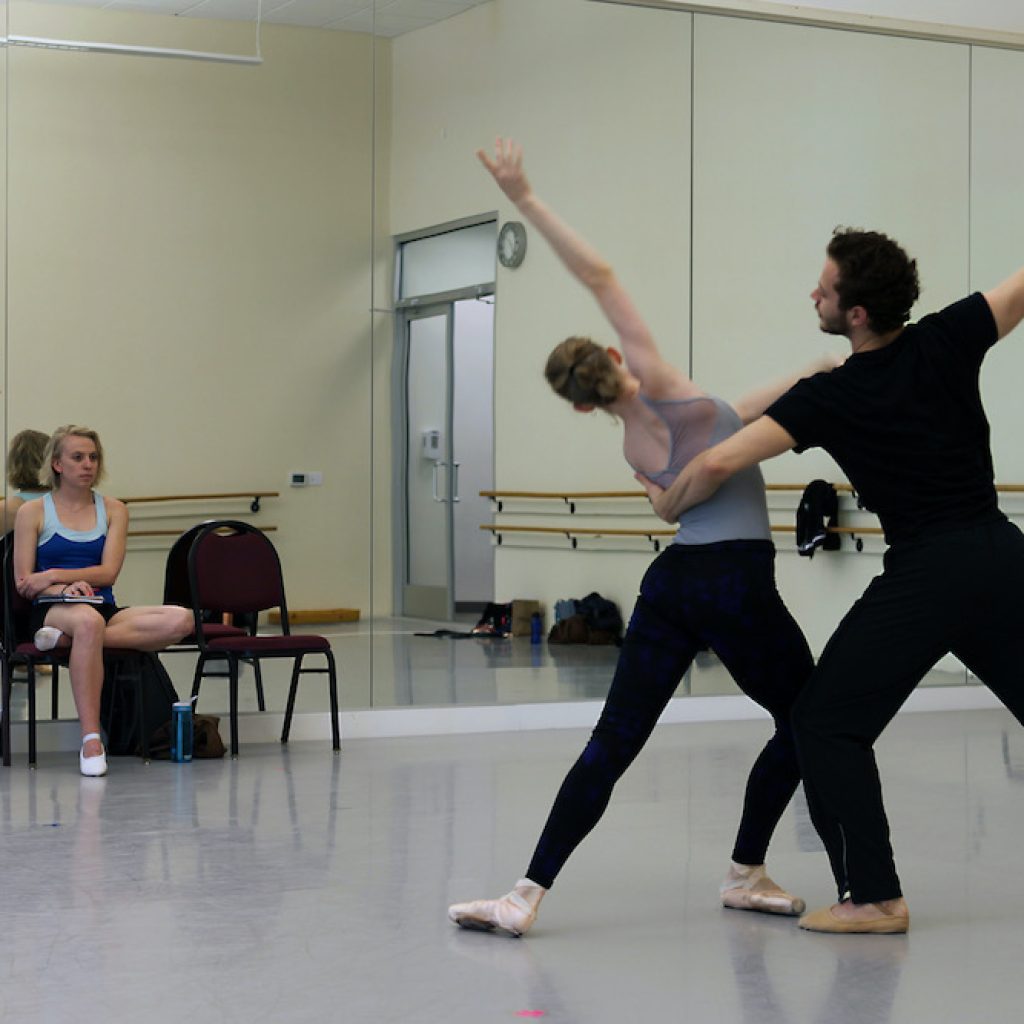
pixel 876 273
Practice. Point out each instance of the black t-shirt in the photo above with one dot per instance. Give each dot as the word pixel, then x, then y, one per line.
pixel 906 423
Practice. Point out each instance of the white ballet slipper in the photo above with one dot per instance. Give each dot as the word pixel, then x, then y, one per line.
pixel 47 637
pixel 749 888
pixel 96 764
pixel 513 913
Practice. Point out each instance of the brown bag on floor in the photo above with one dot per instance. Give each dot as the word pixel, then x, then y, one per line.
pixel 206 739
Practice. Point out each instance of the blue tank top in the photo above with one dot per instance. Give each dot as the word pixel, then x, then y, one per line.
pixel 737 510
pixel 62 548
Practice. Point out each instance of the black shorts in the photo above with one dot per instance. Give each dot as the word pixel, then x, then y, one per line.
pixel 39 612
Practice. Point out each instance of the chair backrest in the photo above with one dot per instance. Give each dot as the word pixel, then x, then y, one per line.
pixel 16 609
pixel 234 567
pixel 176 585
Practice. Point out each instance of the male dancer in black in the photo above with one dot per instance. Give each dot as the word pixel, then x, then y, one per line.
pixel 903 418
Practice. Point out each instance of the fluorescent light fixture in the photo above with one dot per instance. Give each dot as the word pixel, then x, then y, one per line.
pixel 139 51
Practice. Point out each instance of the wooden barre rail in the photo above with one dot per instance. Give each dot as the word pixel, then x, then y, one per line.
pixel 584 495
pixel 572 533
pixel 177 533
pixel 254 505
pixel 570 496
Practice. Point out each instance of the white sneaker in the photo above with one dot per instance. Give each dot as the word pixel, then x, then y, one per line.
pixel 511 914
pixel 93 766
pixel 47 637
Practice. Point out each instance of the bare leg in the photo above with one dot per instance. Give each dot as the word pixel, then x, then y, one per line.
pixel 83 627
pixel 148 627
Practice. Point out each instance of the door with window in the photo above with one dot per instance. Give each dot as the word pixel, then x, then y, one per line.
pixel 445 397
pixel 448 440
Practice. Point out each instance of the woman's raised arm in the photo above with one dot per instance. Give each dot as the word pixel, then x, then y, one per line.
pixel 590 269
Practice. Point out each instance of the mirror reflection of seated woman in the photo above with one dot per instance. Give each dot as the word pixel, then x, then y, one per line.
pixel 71 544
pixel 24 460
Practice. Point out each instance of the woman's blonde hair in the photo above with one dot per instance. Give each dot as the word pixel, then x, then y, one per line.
pixel 25 457
pixel 583 373
pixel 54 446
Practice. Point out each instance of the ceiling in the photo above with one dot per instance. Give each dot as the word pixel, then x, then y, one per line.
pixel 384 17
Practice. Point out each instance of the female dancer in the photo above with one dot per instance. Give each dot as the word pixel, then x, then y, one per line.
pixel 70 545
pixel 713 587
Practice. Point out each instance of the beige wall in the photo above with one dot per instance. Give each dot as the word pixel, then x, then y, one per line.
pixel 795 129
pixel 189 249
pixel 175 226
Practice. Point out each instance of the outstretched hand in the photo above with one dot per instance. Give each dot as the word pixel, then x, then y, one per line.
pixel 656 494
pixel 507 168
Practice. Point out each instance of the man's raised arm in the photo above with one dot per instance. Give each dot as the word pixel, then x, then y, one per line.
pixel 762 439
pixel 1006 301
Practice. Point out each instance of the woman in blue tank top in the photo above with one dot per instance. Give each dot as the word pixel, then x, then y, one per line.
pixel 69 547
pixel 714 587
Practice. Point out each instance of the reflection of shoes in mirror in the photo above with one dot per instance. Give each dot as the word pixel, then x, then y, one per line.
pixel 513 913
pixel 878 922
pixel 92 765
pixel 748 887
pixel 47 637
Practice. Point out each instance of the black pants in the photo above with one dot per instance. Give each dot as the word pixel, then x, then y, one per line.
pixel 962 591
pixel 720 596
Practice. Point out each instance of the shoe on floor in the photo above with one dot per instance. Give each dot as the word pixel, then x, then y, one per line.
pixel 95 765
pixel 512 913
pixel 47 637
pixel 886 922
pixel 750 888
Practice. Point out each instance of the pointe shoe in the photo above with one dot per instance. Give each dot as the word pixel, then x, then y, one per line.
pixel 512 914
pixel 752 889
pixel 884 923
pixel 47 637
pixel 95 765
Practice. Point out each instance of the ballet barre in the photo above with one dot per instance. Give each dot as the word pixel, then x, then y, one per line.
pixel 254 496
pixel 574 533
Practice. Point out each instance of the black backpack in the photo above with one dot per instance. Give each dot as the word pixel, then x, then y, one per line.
pixel 119 704
pixel 818 503
pixel 602 617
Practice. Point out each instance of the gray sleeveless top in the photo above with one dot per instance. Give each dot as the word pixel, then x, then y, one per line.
pixel 737 510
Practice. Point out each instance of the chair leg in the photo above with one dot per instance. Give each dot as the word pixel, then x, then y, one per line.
pixel 233 702
pixel 332 685
pixel 198 677
pixel 54 713
pixel 296 670
pixel 140 712
pixel 5 722
pixel 31 714
pixel 258 676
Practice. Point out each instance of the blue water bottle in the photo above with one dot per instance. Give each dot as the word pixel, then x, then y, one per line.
pixel 536 628
pixel 181 731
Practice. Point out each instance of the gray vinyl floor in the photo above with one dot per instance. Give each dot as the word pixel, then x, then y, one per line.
pixel 297 885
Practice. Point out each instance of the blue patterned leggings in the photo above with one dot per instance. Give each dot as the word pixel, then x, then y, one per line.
pixel 718 596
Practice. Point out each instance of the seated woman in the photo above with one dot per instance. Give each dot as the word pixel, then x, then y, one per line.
pixel 70 544
pixel 24 461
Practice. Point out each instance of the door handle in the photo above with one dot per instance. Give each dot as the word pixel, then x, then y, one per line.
pixel 437 497
pixel 455 481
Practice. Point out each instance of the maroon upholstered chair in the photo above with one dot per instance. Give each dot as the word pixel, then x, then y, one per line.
pixel 177 590
pixel 234 567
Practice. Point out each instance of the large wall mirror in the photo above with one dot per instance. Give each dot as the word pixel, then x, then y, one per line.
pixel 280 262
